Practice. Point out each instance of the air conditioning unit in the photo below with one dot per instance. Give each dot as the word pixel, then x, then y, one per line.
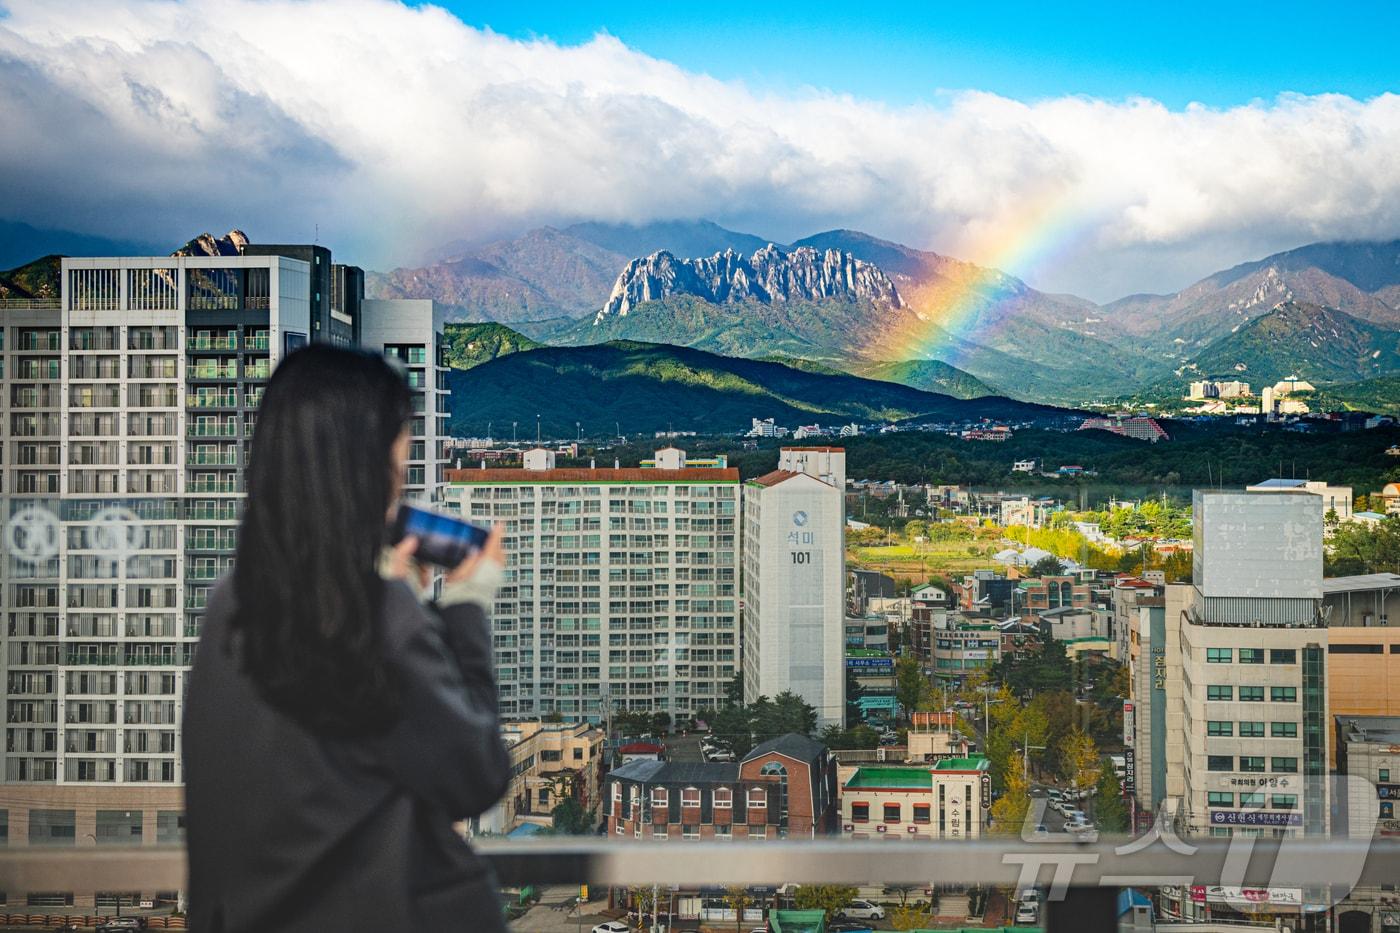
pixel 881 829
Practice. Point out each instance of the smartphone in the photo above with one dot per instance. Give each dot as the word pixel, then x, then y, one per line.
pixel 442 539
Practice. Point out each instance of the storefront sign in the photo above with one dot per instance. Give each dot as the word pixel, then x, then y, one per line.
pixel 1129 771
pixel 1224 894
pixel 1256 818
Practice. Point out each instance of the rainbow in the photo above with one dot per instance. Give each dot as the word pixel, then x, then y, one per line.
pixel 954 311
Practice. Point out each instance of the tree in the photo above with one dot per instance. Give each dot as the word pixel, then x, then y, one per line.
pixel 568 818
pixel 1109 811
pixel 910 684
pixel 733 726
pixel 790 713
pixel 643 902
pixel 854 691
pixel 660 723
pixel 1010 809
pixel 906 917
pixel 737 898
pixel 1047 566
pixel 915 529
pixel 1079 759
pixel 832 898
pixel 1358 548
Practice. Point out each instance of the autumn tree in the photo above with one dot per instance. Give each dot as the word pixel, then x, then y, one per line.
pixel 1009 811
pixel 738 898
pixel 1079 759
pixel 911 917
pixel 1109 810
pixel 832 898
pixel 911 686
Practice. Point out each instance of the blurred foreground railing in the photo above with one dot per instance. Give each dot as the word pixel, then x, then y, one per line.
pixel 1081 880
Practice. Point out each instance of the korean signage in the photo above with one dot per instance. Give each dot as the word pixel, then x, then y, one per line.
pixel 886 664
pixel 1159 668
pixel 1388 791
pixel 986 790
pixel 1129 771
pixel 1275 782
pixel 1256 818
pixel 1129 724
pixel 1225 894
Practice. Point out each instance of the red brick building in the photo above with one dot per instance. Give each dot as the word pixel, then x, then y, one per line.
pixel 784 788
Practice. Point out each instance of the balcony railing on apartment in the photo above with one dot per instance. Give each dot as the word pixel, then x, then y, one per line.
pixel 1081 881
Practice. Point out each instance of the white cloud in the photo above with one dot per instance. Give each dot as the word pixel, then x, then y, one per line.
pixel 395 128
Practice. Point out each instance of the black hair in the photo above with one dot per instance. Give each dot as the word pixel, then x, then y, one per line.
pixel 307 586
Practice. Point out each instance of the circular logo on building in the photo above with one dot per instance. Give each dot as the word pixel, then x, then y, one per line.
pixel 31 535
pixel 799 518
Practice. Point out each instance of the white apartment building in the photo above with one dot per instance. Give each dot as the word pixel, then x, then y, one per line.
pixel 794 571
pixel 406 330
pixel 125 423
pixel 621 587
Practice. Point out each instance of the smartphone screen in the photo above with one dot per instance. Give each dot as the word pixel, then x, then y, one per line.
pixel 442 539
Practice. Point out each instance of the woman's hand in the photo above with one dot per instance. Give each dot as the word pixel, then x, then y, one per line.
pixel 493 551
pixel 401 563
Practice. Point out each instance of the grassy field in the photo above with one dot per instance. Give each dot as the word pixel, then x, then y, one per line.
pixel 921 562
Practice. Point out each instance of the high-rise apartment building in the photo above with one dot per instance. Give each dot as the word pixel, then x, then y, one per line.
pixel 405 330
pixel 621 584
pixel 125 424
pixel 794 572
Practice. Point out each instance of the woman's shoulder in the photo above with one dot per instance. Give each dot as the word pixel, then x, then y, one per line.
pixel 405 618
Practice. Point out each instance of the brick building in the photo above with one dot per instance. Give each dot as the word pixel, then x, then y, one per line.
pixel 783 788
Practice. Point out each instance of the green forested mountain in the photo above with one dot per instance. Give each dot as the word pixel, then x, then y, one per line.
pixel 650 387
pixel 469 345
pixel 929 375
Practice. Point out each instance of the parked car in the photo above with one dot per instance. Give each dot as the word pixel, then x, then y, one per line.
pixel 1030 896
pixel 1073 815
pixel 118 924
pixel 723 754
pixel 1027 913
pixel 1040 832
pixel 861 910
pixel 1055 793
pixel 854 926
pixel 611 926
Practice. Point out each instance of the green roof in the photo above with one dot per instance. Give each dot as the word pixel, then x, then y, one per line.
pixel 972 763
pixel 891 777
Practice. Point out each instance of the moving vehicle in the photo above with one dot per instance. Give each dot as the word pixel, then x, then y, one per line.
pixel 861 910
pixel 117 924
pixel 1027 912
pixel 849 927
pixel 1040 832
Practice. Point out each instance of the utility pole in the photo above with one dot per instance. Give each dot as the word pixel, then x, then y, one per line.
pixel 1026 748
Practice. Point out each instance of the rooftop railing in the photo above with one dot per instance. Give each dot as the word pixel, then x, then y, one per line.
pixel 1081 881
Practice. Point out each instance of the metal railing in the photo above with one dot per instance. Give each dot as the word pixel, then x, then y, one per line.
pixel 1081 880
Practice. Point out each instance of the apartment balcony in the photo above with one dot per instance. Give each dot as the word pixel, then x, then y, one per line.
pixel 85 659
pixel 218 514
pixel 221 458
pixel 222 400
pixel 205 371
pixel 213 486
pixel 213 430
pixel 204 344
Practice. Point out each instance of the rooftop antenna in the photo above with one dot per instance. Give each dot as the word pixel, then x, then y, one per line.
pixel 316 238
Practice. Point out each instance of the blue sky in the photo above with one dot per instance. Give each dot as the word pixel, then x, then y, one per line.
pixel 1220 54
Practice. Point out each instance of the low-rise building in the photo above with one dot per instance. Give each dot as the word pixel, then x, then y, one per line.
pixel 948 800
pixel 783 788
pixel 1336 500
pixel 962 646
pixel 935 735
pixel 1038 594
pixel 550 763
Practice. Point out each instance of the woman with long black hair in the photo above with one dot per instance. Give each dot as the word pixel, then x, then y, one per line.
pixel 337 725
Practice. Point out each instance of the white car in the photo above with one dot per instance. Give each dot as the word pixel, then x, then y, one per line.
pixel 861 910
pixel 1030 896
pixel 611 926
pixel 1027 912
pixel 721 755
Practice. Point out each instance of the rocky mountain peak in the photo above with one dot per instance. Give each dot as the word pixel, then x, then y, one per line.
pixel 772 274
pixel 206 244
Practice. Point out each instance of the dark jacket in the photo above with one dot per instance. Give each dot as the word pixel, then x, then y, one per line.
pixel 292 831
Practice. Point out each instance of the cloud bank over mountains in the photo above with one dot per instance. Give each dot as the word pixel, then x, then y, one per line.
pixel 392 129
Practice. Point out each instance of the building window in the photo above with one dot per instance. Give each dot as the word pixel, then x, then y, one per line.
pixel 921 813
pixel 1221 763
pixel 118 827
pixel 1252 694
pixel 1251 801
pixel 1383 777
pixel 1283 730
pixel 1252 763
pixel 1283 694
pixel 893 813
pixel 1283 656
pixel 724 798
pixel 1219 655
pixel 52 827
pixel 860 813
pixel 658 796
pixel 722 831
pixel 690 830
pixel 1220 727
pixel 659 832
pixel 690 797
pixel 1284 801
pixel 1285 765
pixel 1251 730
pixel 1251 655
pixel 758 799
pixel 1220 692
pixel 1220 798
